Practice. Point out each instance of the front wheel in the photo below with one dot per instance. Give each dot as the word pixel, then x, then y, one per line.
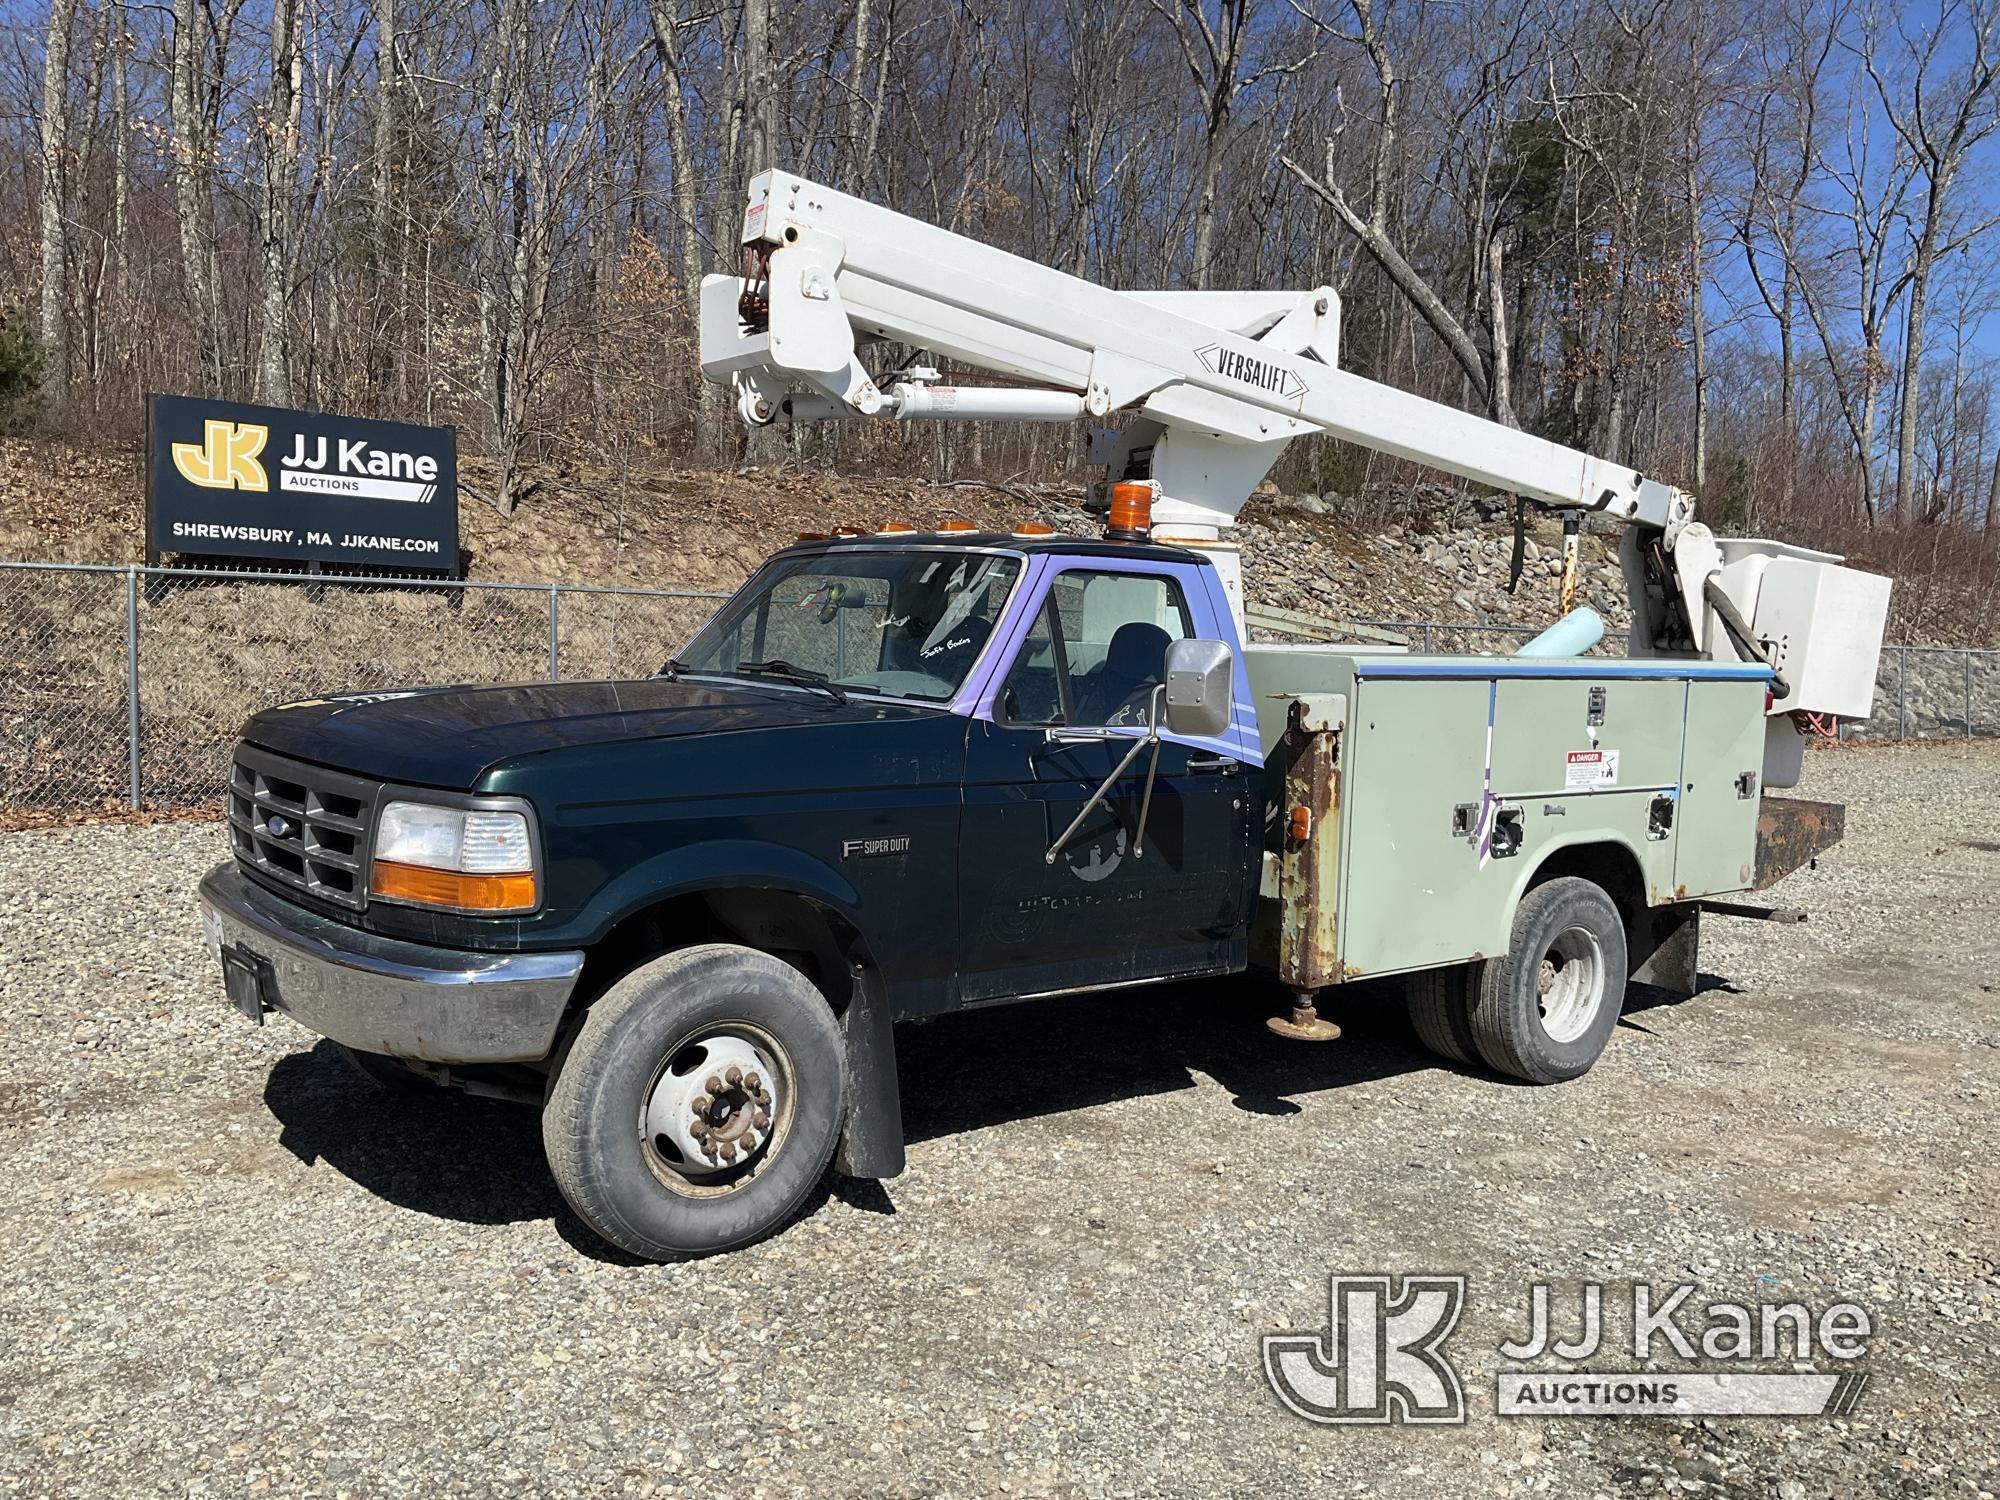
pixel 1545 1010
pixel 699 1104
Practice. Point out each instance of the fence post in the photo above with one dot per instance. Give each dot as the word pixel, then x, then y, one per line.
pixel 1902 692
pixel 1968 692
pixel 132 682
pixel 1427 637
pixel 555 638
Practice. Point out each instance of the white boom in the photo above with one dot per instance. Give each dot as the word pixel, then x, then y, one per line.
pixel 1218 383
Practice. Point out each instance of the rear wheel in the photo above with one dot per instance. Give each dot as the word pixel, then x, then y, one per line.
pixel 1440 1010
pixel 699 1104
pixel 1545 1010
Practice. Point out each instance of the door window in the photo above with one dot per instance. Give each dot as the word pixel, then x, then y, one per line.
pixel 1097 650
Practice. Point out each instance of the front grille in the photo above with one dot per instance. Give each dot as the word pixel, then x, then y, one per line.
pixel 301 825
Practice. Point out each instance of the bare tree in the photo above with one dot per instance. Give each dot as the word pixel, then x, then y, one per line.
pixel 1941 110
pixel 52 326
pixel 281 169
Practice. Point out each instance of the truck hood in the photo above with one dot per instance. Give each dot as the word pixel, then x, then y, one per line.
pixel 446 737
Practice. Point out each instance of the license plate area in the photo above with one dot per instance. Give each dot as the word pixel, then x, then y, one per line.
pixel 243 979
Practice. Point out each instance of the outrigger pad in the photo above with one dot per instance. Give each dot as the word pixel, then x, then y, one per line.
pixel 1791 831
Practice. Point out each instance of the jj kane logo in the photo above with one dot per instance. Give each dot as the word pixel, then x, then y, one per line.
pixel 1264 374
pixel 1382 1356
pixel 358 469
pixel 226 457
pixel 1381 1359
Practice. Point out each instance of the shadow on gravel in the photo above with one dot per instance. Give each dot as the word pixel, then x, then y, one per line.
pixel 443 1153
pixel 479 1161
pixel 1640 998
pixel 975 1068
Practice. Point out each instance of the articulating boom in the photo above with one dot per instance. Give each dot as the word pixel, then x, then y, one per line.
pixel 1218 383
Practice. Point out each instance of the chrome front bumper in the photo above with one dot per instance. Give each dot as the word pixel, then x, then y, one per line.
pixel 380 994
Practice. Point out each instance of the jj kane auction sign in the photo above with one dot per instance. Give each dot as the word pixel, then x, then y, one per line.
pixel 257 481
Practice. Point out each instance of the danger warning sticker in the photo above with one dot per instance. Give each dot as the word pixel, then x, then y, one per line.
pixel 1590 768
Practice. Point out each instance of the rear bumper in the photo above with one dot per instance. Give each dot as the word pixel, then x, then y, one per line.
pixel 381 994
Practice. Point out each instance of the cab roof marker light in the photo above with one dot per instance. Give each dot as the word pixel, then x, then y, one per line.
pixel 954 525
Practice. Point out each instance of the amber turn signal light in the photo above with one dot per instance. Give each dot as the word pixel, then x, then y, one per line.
pixel 400 882
pixel 1302 824
pixel 1131 511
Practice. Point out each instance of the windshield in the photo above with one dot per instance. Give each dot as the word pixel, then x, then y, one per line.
pixel 905 623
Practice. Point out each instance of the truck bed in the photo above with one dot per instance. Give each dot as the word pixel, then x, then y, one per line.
pixel 1453 780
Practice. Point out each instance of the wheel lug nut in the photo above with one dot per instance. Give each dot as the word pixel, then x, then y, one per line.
pixel 763 1119
pixel 753 1083
pixel 734 1075
pixel 714 1084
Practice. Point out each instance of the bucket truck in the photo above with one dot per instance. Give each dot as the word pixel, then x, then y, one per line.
pixel 903 771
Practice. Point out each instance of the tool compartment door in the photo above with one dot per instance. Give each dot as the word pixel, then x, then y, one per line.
pixel 1410 888
pixel 1715 846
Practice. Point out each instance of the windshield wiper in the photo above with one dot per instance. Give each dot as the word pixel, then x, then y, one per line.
pixel 778 667
pixel 673 668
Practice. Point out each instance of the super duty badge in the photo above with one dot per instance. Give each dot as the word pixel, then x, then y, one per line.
pixel 874 848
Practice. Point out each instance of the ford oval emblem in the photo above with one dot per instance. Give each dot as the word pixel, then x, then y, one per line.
pixel 277 827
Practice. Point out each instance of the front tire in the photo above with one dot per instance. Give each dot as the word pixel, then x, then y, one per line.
pixel 1544 1011
pixel 699 1104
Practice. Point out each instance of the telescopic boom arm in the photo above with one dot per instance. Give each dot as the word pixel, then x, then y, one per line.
pixel 1217 383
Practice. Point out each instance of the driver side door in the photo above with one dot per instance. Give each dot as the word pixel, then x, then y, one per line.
pixel 1109 909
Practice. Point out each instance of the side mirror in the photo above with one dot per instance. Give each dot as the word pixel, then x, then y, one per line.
pixel 1201 688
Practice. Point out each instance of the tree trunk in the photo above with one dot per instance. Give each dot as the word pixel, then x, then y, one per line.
pixel 389 301
pixel 51 325
pixel 281 170
pixel 761 445
pixel 1204 203
pixel 1501 405
pixel 1914 319
pixel 190 172
pixel 857 99
pixel 1697 322
pixel 121 172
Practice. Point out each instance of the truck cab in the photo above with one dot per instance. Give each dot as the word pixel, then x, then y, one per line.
pixel 871 788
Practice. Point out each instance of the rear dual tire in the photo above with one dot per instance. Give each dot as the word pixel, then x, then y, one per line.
pixel 1544 1010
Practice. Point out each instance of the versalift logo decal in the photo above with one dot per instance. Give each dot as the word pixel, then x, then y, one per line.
pixel 1266 375
pixel 231 480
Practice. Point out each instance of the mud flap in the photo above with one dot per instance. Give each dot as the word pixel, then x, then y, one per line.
pixel 871 1139
pixel 1665 947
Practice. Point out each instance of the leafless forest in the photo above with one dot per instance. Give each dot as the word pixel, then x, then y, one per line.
pixel 1747 245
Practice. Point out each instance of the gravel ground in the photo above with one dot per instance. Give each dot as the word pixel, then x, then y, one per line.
pixel 233 1267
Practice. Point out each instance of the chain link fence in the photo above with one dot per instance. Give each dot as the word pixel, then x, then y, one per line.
pixel 126 687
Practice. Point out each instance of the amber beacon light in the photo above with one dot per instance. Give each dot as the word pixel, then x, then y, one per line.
pixel 1131 516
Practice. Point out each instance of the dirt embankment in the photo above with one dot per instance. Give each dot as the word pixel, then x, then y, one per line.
pixel 1424 551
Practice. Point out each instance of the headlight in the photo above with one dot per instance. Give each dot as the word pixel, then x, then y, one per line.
pixel 468 859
